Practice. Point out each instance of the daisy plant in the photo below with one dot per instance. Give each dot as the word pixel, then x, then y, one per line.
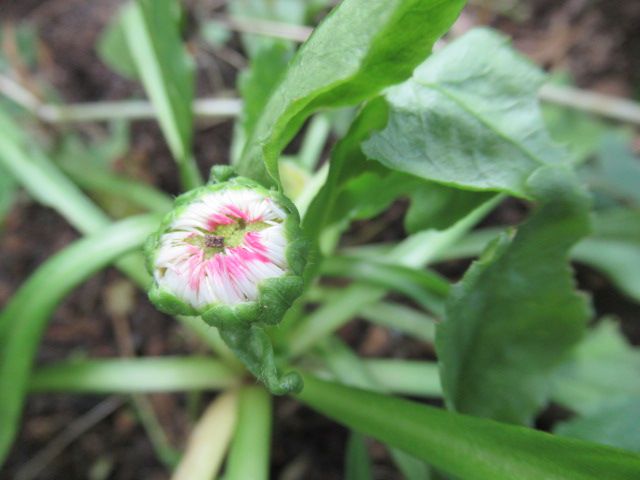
pixel 265 263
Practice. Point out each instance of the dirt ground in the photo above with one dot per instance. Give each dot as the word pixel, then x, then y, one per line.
pixel 598 41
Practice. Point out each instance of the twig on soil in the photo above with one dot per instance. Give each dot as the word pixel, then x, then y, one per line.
pixel 78 427
pixel 614 108
pixel 100 111
pixel 608 106
pixel 268 28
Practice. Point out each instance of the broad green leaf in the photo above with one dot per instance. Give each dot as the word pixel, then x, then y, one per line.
pixel 167 73
pixel 249 454
pixel 614 424
pixel 113 49
pixel 162 374
pixel 466 447
pixel 613 248
pixel 357 461
pixel 601 368
pixel 23 320
pixel 515 315
pixel 468 117
pixel 360 48
pixel 357 189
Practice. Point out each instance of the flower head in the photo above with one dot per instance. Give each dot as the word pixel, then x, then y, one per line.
pixel 223 250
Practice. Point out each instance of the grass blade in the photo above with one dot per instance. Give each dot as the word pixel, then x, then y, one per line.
pixel 23 320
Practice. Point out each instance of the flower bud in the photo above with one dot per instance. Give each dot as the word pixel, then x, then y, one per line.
pixel 232 253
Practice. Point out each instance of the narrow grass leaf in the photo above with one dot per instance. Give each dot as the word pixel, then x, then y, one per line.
pixel 465 447
pixel 23 320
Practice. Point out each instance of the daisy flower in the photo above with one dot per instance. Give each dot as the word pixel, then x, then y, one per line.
pixel 230 252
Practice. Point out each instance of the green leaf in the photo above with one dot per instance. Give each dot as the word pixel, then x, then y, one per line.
pixel 249 455
pixel 614 424
pixel 515 314
pixel 614 174
pixel 167 73
pixel 468 117
pixel 424 287
pixel 43 180
pixel 23 320
pixel 349 368
pixel 113 49
pixel 602 368
pixel 415 251
pixel 357 461
pixel 360 48
pixel 347 162
pixel 258 82
pixel 8 191
pixel 162 374
pixel 467 447
pixel 614 249
pixel 89 165
pixel 402 319
pixel 437 206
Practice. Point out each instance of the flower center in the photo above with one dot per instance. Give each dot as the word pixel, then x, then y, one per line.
pixel 224 236
pixel 213 241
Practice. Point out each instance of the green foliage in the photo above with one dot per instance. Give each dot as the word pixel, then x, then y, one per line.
pixel 515 314
pixel 258 82
pixel 249 456
pixel 614 249
pixel 466 447
pixel 425 288
pixel 23 320
pixel 357 461
pixel 468 117
pixel 601 369
pixel 614 173
pixel 161 374
pixel 112 46
pixel 8 191
pixel 444 137
pixel 167 73
pixel 385 39
pixel 614 424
